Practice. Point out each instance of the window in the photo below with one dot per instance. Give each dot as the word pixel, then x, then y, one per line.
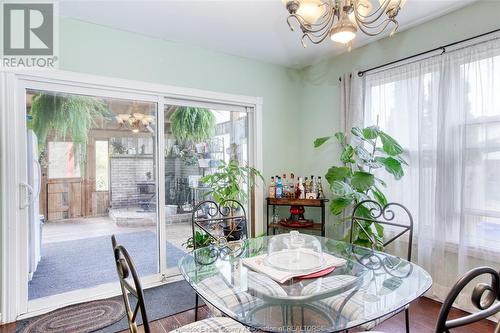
pixel 101 166
pixel 64 160
pixel 445 112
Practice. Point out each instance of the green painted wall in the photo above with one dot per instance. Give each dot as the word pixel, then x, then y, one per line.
pixel 103 51
pixel 320 90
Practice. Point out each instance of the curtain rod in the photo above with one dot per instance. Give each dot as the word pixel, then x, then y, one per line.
pixel 443 48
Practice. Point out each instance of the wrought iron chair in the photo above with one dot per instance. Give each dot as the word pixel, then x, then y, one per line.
pixel 368 212
pixel 210 218
pixel 483 298
pixel 126 270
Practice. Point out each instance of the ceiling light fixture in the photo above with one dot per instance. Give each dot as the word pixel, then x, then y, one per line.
pixel 135 121
pixel 341 19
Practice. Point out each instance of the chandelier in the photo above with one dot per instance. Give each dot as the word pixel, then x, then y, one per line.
pixel 341 19
pixel 135 121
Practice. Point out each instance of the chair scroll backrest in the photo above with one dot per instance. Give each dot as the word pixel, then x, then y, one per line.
pixel 368 212
pixel 485 297
pixel 125 268
pixel 211 218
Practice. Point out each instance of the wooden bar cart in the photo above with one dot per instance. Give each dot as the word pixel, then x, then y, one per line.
pixel 318 203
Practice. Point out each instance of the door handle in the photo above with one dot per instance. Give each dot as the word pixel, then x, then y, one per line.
pixel 30 197
pixel 39 169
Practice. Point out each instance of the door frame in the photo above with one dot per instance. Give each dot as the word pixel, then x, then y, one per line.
pixel 13 227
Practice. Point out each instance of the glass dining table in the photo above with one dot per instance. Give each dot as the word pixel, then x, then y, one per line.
pixel 370 285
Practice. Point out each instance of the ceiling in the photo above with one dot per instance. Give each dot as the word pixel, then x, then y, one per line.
pixel 254 29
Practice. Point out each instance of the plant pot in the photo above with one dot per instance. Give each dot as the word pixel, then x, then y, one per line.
pixel 203 162
pixel 232 235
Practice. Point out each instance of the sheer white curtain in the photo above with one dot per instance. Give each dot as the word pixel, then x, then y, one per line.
pixel 445 112
pixel 351 101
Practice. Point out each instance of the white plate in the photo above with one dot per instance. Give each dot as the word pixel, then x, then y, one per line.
pixel 299 260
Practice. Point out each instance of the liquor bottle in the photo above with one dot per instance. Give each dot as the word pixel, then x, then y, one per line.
pixel 285 185
pixel 302 191
pixel 272 188
pixel 314 187
pixel 291 185
pixel 279 188
pixel 321 194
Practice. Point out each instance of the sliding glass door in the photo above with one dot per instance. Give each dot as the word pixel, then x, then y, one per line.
pixel 90 160
pixel 198 139
pixel 92 173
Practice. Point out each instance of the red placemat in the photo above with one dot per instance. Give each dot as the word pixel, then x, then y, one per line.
pixel 315 275
pixel 297 224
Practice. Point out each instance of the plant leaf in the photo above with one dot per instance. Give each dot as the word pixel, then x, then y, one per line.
pixel 337 173
pixel 340 188
pixel 392 166
pixel 362 181
pixel 359 196
pixel 379 196
pixel 320 141
pixel 390 146
pixel 371 132
pixel 380 229
pixel 341 138
pixel 363 154
pixel 356 131
pixel 338 205
pixel 346 156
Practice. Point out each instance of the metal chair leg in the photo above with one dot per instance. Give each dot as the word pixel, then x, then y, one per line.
pixel 196 308
pixel 407 319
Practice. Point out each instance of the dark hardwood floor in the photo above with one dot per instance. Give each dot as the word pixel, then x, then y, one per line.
pixel 423 316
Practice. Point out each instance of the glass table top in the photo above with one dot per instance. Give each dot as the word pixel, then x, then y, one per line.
pixel 370 285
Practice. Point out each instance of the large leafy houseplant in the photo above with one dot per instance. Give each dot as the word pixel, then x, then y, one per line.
pixel 229 182
pixel 71 116
pixel 369 150
pixel 192 124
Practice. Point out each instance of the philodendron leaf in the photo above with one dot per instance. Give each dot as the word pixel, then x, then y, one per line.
pixel 371 132
pixel 363 154
pixel 374 164
pixel 379 196
pixel 400 159
pixel 340 188
pixel 347 154
pixel 320 141
pixel 380 230
pixel 392 166
pixel 338 205
pixel 337 174
pixel 359 196
pixel 341 138
pixel 356 131
pixel 389 145
pixel 362 181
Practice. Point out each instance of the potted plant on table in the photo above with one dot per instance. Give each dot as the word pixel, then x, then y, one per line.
pixel 228 183
pixel 354 181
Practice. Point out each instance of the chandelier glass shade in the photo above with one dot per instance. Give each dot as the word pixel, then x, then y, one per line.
pixel 342 19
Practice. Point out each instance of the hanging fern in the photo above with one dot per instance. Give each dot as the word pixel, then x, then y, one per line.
pixel 192 124
pixel 65 117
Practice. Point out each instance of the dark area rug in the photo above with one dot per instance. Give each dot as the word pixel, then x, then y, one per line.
pixel 161 301
pixel 85 263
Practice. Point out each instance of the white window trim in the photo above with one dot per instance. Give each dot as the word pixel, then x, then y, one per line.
pixel 12 99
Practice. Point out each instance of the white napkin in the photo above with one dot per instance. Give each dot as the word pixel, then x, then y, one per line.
pixel 258 264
